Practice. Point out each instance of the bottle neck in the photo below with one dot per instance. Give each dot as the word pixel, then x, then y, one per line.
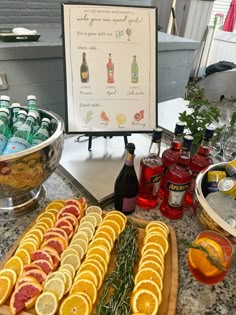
pixel 155 147
pixel 205 147
pixel 84 59
pixel 176 142
pixel 129 160
pixel 32 104
pixel 184 157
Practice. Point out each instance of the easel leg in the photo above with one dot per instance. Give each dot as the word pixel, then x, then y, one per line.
pixel 125 140
pixel 90 143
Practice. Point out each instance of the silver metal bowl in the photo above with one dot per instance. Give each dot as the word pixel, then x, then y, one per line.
pixel 207 217
pixel 22 174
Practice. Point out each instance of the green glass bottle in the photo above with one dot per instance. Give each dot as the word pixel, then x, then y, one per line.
pixel 42 133
pixel 32 106
pixel 4 128
pixel 15 108
pixel 84 70
pixel 22 139
pixel 4 101
pixel 21 117
pixel 134 71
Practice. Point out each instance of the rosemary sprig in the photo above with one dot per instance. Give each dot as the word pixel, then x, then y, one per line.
pixel 118 284
pixel 213 260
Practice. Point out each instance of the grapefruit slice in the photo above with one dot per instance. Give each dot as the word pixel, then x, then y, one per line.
pixel 41 254
pixel 40 275
pixel 71 208
pixel 46 266
pixel 22 294
pixel 57 230
pixel 58 243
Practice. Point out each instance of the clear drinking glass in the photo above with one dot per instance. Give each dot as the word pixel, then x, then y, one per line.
pixel 213 269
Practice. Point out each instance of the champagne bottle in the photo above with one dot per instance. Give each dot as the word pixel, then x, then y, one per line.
pixel 134 71
pixel 42 133
pixel 110 70
pixel 84 70
pixel 126 184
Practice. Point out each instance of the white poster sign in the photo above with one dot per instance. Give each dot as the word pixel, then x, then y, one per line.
pixel 111 68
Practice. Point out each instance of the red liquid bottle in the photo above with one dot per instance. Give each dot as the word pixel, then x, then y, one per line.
pixel 171 155
pixel 110 70
pixel 178 179
pixel 151 169
pixel 199 161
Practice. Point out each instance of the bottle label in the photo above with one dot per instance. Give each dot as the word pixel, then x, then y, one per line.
pixel 84 75
pixel 36 142
pixel 15 145
pixel 3 143
pixel 129 204
pixel 176 193
pixel 155 180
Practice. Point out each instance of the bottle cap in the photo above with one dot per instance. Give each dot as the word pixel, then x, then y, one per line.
pixel 130 147
pixel 157 134
pixel 187 142
pixel 33 114
pixel 179 128
pixel 46 119
pixel 31 97
pixel 209 132
pixel 5 98
pixel 6 110
pixel 15 105
pixel 23 112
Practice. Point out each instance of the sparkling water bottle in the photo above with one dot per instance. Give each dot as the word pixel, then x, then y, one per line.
pixel 4 128
pixel 15 108
pixel 22 139
pixel 42 133
pixel 21 117
pixel 4 101
pixel 32 106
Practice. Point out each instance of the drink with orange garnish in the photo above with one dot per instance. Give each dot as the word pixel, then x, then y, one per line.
pixel 209 257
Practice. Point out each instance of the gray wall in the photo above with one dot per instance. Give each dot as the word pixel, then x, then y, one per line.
pixel 15 12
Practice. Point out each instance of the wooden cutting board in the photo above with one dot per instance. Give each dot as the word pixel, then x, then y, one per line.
pixel 170 280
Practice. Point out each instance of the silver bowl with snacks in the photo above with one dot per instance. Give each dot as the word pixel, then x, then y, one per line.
pixel 207 217
pixel 22 174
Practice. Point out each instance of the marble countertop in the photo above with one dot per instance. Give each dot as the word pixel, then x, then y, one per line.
pixel 193 298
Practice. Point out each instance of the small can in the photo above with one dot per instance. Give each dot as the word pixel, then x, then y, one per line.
pixel 228 186
pixel 213 178
pixel 231 168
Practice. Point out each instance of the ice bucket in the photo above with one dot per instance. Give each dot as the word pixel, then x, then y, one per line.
pixel 206 216
pixel 22 174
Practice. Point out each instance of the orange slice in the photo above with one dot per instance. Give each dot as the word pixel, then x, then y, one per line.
pixel 37 232
pixel 10 273
pixel 109 230
pixel 87 286
pixel 16 264
pixel 149 274
pixel 153 252
pixel 6 287
pixel 114 225
pixel 95 269
pixel 157 223
pixel 153 265
pixel 158 229
pixel 101 251
pixel 149 285
pixel 46 214
pixel 75 304
pixel 24 255
pixel 144 301
pixel 117 218
pixel 57 205
pixel 87 274
pixel 100 242
pixel 198 260
pixel 152 245
pixel 105 235
pixel 153 258
pixel 158 238
pixel 46 304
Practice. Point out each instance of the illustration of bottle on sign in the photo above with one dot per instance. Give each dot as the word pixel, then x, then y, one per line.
pixel 110 70
pixel 84 70
pixel 134 70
